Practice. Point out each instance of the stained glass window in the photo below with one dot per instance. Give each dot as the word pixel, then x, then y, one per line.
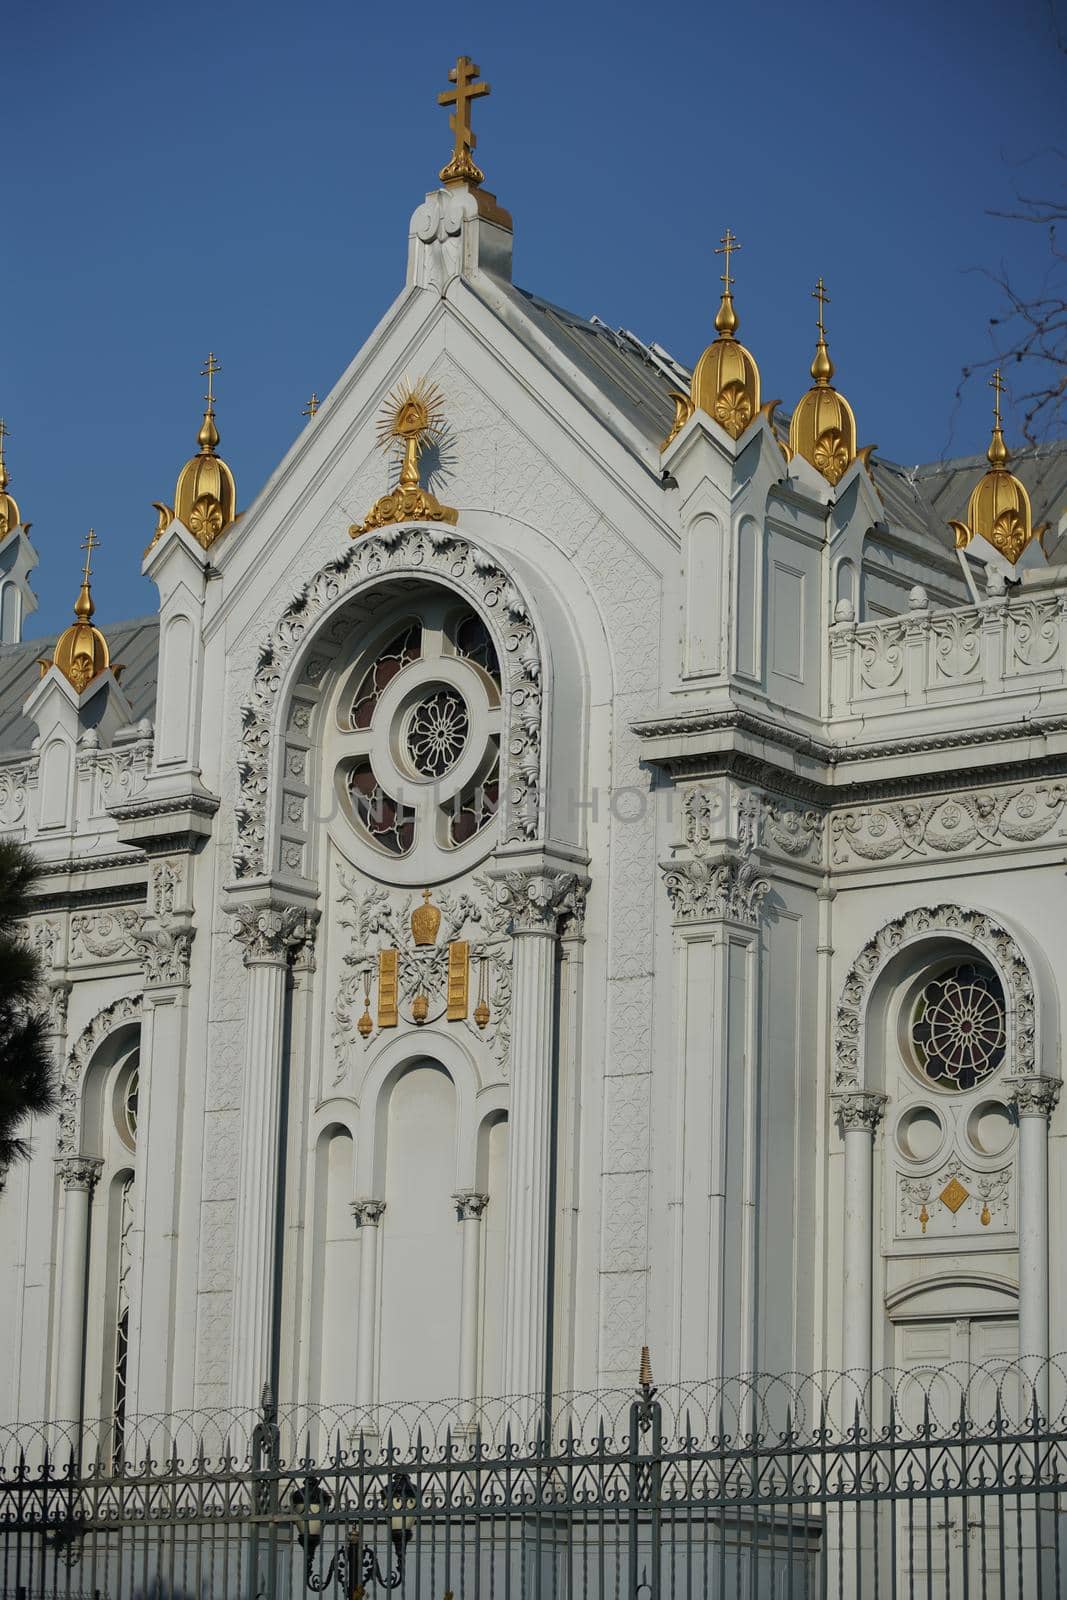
pixel 401 650
pixel 958 1026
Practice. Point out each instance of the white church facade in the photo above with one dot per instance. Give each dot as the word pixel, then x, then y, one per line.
pixel 587 875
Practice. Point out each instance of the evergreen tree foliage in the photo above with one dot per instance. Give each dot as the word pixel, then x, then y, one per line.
pixel 27 1083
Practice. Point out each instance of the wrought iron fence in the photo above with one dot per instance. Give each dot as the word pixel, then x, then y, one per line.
pixel 793 1488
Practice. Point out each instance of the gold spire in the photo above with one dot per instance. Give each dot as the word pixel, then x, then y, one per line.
pixel 726 380
pixel 999 508
pixel 462 168
pixel 311 409
pixel 205 496
pixel 10 516
pixel 81 651
pixel 823 426
pixel 411 418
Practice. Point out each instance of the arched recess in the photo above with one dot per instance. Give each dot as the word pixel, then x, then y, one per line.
pixel 396 1058
pixel 421 1247
pixel 303 648
pixel 335 1268
pixel 1030 1019
pixel 114 1024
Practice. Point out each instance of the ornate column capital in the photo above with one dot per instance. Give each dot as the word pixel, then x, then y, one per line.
pixel 272 933
pixel 536 899
pixel 367 1213
pixel 470 1204
pixel 79 1172
pixel 1033 1095
pixel 729 889
pixel 859 1110
pixel 164 949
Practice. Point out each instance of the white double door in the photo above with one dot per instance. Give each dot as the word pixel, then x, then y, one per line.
pixel 951 1544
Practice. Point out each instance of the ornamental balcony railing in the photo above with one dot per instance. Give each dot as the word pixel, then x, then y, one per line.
pixel 948 1485
pixel 1008 652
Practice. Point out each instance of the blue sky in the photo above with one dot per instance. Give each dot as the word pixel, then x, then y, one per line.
pixel 240 176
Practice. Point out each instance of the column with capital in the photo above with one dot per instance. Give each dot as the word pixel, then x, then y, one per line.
pixel 858 1113
pixel 716 892
pixel 535 899
pixel 1034 1098
pixel 270 933
pixel 78 1175
pixel 368 1215
pixel 470 1205
pixel 164 945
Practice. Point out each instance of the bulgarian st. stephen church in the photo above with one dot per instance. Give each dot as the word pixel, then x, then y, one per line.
pixel 574 864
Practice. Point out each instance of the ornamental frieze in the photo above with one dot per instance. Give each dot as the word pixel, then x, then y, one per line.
pixel 982 820
pixel 111 935
pixel 955 1200
pixel 422 958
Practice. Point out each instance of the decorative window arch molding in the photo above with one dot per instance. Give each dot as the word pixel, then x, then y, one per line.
pixel 423 554
pixel 119 1014
pixel 924 923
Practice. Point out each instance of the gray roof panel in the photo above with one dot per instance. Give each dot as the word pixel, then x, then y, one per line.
pixel 133 645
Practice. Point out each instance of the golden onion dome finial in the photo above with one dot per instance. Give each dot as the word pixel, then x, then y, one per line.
pixel 823 426
pixel 205 497
pixel 999 509
pixel 10 516
pixel 726 380
pixel 81 651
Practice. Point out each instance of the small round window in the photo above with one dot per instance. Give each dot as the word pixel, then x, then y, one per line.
pixel 958 1026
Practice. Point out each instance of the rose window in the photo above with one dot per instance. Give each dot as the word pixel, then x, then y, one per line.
pixel 437 732
pixel 419 727
pixel 958 1027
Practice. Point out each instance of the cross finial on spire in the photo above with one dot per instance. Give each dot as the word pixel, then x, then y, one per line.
pixel 462 168
pixel 819 293
pixel 89 544
pixel 5 433
pixel 312 406
pixel 208 371
pixel 996 383
pixel 727 245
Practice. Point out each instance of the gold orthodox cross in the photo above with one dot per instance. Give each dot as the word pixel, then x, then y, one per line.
pixel 5 433
pixel 462 168
pixel 996 383
pixel 819 293
pixel 89 544
pixel 208 371
pixel 727 245
pixel 312 406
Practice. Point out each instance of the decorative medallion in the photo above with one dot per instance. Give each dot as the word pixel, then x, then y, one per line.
pixel 953 1195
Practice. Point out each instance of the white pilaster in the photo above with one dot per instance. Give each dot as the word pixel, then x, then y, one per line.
pixel 470 1205
pixel 535 899
pixel 368 1215
pixel 858 1114
pixel 269 933
pixel 164 947
pixel 1034 1099
pixel 78 1175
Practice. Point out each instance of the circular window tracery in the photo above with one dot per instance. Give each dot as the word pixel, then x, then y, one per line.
pixel 958 1027
pixel 437 732
pixel 420 734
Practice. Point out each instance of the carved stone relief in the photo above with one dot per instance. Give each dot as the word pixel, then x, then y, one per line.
pixel 979 820
pixel 377 919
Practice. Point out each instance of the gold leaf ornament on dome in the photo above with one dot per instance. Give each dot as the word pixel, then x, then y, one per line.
pixel 205 496
pixel 822 428
pixel 81 652
pixel 726 380
pixel 411 419
pixel 10 516
pixel 999 509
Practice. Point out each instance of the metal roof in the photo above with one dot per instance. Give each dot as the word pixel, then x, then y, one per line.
pixel 133 645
